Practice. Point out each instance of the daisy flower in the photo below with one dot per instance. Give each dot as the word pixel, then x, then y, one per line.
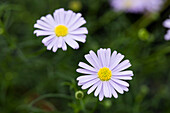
pixel 132 6
pixel 64 27
pixel 137 6
pixel 152 5
pixel 105 75
pixel 166 24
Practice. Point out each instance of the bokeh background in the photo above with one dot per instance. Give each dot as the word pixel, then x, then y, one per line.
pixel 34 80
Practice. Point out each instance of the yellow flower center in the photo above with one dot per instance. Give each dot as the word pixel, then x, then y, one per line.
pixel 61 30
pixel 128 4
pixel 104 74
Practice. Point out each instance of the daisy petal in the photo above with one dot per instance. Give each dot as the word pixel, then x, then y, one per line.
pixel 80 38
pixel 106 90
pixel 93 87
pixel 115 86
pixel 123 65
pixel 121 82
pixel 82 30
pixel 64 46
pixel 60 42
pixel 71 42
pixel 90 83
pixel 117 60
pixel 85 71
pixel 98 89
pixel 86 78
pixel 101 96
pixel 91 61
pixel 85 66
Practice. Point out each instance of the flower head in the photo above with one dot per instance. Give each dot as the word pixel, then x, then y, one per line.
pixel 137 6
pixel 64 27
pixel 106 74
pixel 133 6
pixel 166 24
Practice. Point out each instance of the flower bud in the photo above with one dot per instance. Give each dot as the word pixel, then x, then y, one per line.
pixel 79 95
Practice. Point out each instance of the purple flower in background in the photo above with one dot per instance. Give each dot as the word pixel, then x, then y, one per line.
pixel 64 27
pixel 137 6
pixel 153 5
pixel 133 6
pixel 166 24
pixel 106 74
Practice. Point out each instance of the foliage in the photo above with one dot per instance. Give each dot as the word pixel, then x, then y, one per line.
pixel 34 80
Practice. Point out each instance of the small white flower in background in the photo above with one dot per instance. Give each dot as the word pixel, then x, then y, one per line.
pixel 166 24
pixel 137 6
pixel 64 27
pixel 106 74
pixel 153 5
pixel 133 6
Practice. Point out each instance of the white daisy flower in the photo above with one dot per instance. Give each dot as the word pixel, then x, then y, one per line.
pixel 64 27
pixel 106 74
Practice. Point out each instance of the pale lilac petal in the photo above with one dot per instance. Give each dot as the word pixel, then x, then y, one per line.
pixel 122 77
pixel 108 53
pixel 42 27
pixel 167 36
pixel 56 17
pixel 85 66
pixel 90 83
pixel 95 59
pixel 60 42
pixel 106 90
pixel 64 46
pixel 49 47
pixel 82 30
pixel 43 33
pixel 68 16
pixel 116 60
pixel 51 20
pixel 55 47
pixel 80 38
pixel 114 93
pixel 166 23
pixel 116 87
pixel 46 19
pixel 86 78
pixel 85 71
pixel 91 61
pixel 110 91
pixel 46 39
pixel 61 15
pixel 123 73
pixel 42 23
pixel 74 19
pixel 101 96
pixel 122 66
pixel 93 87
pixel 124 88
pixel 120 82
pixel 99 57
pixel 98 89
pixel 112 59
pixel 103 57
pixel 72 43
pixel 78 24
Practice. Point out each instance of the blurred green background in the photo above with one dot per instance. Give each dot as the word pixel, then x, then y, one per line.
pixel 34 80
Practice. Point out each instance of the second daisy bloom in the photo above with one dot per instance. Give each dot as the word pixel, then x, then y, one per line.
pixel 64 27
pixel 106 74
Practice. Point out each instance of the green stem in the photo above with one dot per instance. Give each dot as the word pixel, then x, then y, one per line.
pixel 83 106
pixel 49 96
pixel 97 102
